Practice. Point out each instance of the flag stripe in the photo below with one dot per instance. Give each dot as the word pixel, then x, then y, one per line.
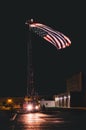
pixel 58 39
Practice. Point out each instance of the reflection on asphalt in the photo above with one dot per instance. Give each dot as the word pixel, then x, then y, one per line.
pixel 49 121
pixel 36 121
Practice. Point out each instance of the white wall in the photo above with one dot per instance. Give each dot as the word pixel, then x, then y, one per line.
pixel 47 103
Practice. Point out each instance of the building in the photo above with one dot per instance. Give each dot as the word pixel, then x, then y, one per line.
pixel 11 102
pixel 75 95
pixel 47 103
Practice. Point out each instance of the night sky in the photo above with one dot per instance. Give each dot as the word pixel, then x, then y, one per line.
pixel 51 66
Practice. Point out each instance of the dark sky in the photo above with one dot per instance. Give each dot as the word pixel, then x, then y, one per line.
pixel 51 66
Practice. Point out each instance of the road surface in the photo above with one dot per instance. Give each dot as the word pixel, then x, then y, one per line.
pixel 47 121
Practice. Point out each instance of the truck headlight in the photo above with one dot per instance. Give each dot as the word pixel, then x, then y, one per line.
pixel 36 107
pixel 29 107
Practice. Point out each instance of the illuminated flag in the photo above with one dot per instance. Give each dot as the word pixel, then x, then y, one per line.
pixel 58 39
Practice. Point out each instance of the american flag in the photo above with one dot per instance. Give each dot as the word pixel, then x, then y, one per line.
pixel 58 39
